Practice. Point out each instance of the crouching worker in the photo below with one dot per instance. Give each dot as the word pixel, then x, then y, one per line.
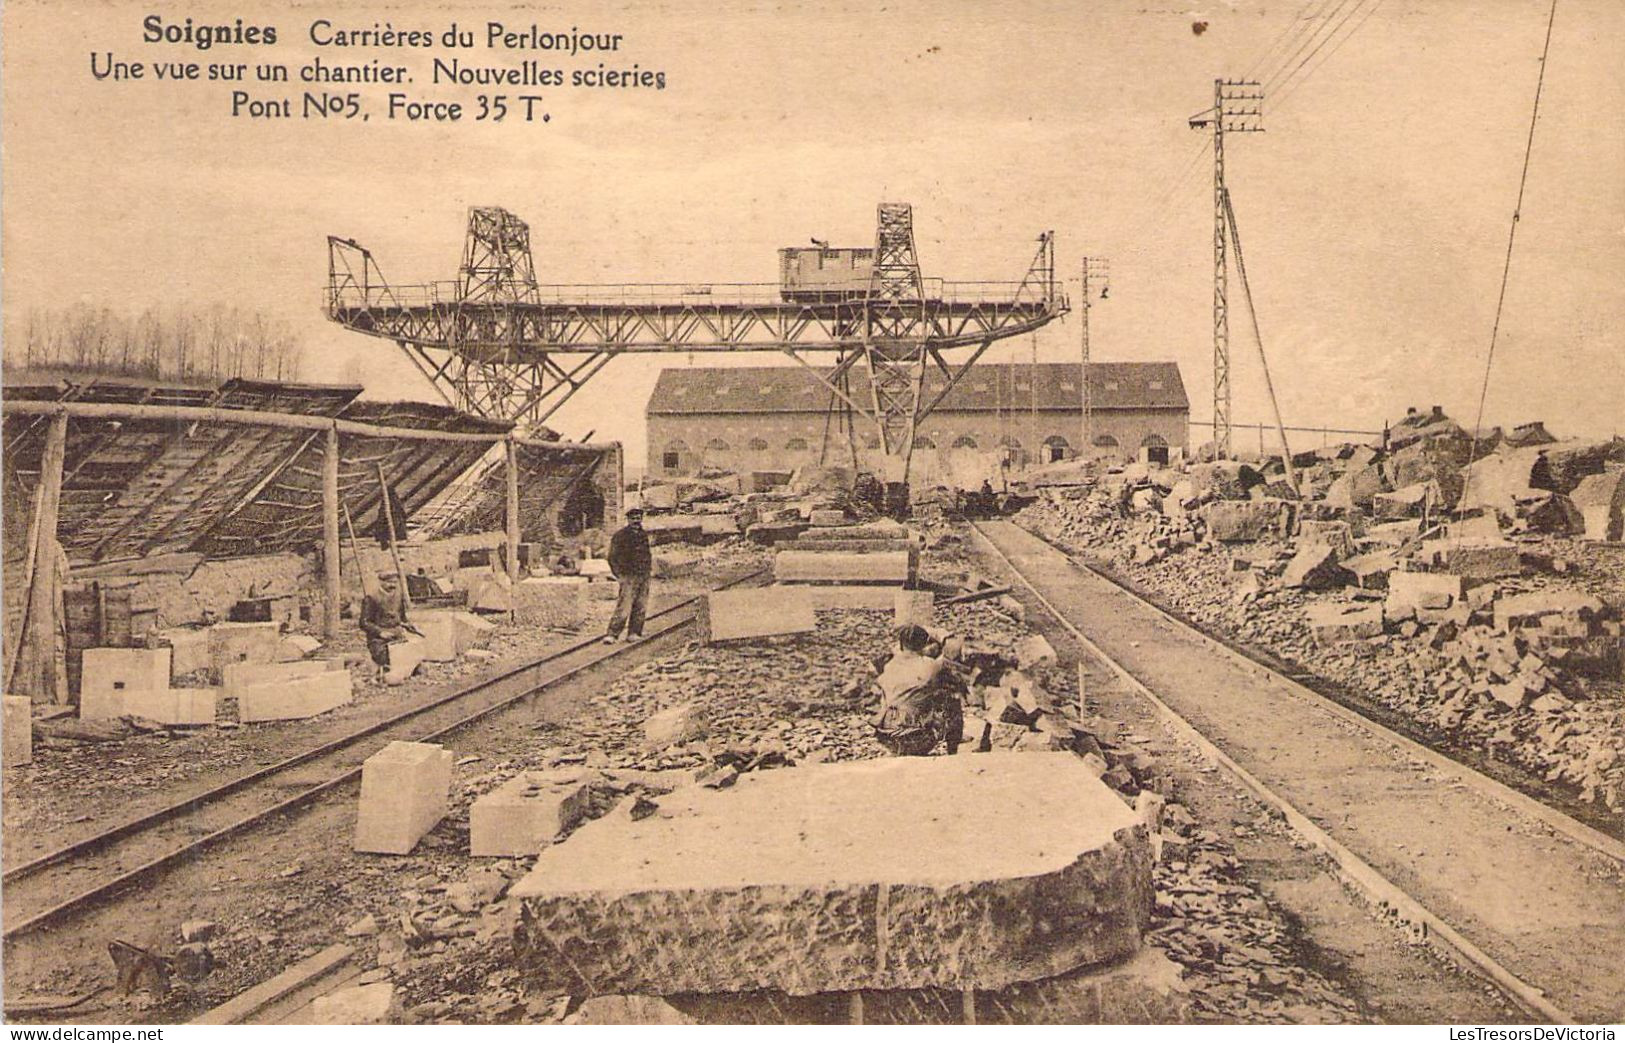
pixel 383 619
pixel 921 701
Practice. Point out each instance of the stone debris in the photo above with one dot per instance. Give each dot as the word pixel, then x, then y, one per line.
pixel 1501 629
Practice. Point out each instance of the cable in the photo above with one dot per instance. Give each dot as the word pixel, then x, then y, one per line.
pixel 1506 269
pixel 1357 26
pixel 1292 28
pixel 1325 19
pixel 1324 41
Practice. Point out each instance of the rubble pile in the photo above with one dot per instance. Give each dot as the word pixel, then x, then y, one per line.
pixel 764 507
pixel 1500 630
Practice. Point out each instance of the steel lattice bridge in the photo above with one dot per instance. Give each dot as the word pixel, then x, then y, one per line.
pixel 498 344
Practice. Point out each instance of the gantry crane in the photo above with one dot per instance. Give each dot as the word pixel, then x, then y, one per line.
pixel 498 344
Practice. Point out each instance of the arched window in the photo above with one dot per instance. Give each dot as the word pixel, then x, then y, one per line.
pixel 796 445
pixel 964 442
pixel 672 457
pixel 1055 449
pixel 1154 440
pixel 758 445
pixel 716 445
pixel 924 442
pixel 1010 451
pixel 1106 442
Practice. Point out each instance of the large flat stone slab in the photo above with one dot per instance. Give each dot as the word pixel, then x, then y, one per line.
pixel 963 872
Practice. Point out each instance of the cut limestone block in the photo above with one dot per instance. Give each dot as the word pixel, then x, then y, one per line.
pixel 188 650
pixel 372 1004
pixel 853 599
pixel 175 706
pixel 833 877
pixel 754 612
pixel 719 525
pixel 524 814
pixel 594 568
pixel 1334 623
pixel 17 731
pixel 295 699
pixel 404 789
pixel 1314 567
pixel 550 601
pixel 917 607
pixel 1371 570
pixel 493 593
pixel 1334 534
pixel 1425 593
pixel 660 498
pixel 1243 521
pixel 244 643
pixel 801 566
pixel 628 1010
pixel 297 646
pixel 107 673
pixel 825 517
pixel 1600 499
pixel 238 676
pixel 446 635
pixel 675 724
pixel 1474 557
pixel 405 656
pixel 1033 651
pixel 821 541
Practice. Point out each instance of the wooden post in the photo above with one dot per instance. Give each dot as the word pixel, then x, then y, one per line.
pixel 386 512
pixel 34 668
pixel 330 535
pixel 967 1000
pixel 854 1008
pixel 512 452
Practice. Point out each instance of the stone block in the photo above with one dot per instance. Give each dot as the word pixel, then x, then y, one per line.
pixel 17 731
pixel 1425 593
pixel 107 673
pixel 659 498
pixel 404 790
pixel 863 875
pixel 446 635
pixel 801 566
pixel 1336 623
pixel 174 706
pixel 479 629
pixel 1371 571
pixel 1474 557
pixel 294 699
pixel 405 656
pixel 238 676
pixel 756 612
pixel 628 1010
pixel 372 1004
pixel 914 606
pixel 594 568
pixel 550 601
pixel 1314 567
pixel 675 724
pixel 1034 651
pixel 297 646
pixel 853 599
pixel 1334 534
pixel 719 525
pixel 524 814
pixel 244 643
pixel 1576 607
pixel 1600 499
pixel 493 593
pixel 1243 521
pixel 825 517
pixel 188 650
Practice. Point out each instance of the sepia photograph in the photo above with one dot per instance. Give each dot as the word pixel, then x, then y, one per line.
pixel 877 513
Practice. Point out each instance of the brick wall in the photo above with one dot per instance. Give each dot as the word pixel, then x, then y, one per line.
pixel 695 437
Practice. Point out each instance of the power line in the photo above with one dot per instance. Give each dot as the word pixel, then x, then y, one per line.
pixel 1325 19
pixel 1512 237
pixel 1291 29
pixel 1292 89
pixel 1324 41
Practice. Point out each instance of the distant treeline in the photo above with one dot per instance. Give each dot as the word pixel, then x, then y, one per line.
pixel 186 344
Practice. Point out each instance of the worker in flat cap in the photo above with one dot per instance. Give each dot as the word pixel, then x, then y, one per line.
pixel 630 561
pixel 383 619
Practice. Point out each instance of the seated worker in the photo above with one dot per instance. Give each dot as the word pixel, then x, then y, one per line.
pixel 920 698
pixel 383 619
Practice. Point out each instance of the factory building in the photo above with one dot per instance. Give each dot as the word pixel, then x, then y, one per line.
pixel 1000 418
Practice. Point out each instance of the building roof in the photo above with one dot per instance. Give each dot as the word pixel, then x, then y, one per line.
pixel 987 388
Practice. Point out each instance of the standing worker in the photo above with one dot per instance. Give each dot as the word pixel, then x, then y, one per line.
pixel 629 560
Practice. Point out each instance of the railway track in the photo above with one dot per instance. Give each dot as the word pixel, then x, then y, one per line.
pixel 1518 891
pixel 68 881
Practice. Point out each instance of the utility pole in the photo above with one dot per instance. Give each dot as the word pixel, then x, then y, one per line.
pixel 1094 268
pixel 1238 105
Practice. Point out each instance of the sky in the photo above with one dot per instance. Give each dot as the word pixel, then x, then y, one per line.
pixel 1374 209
